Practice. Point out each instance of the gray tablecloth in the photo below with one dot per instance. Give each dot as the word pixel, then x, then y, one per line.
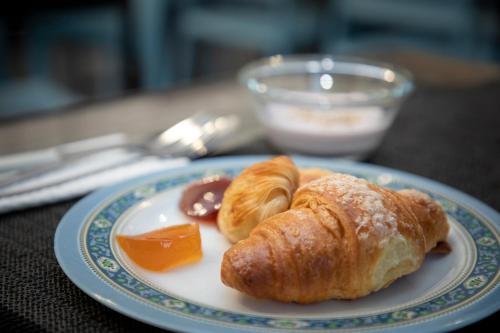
pixel 452 136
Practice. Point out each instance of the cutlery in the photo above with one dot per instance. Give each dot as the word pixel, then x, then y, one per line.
pixel 194 137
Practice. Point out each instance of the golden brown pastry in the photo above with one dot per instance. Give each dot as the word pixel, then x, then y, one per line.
pixel 343 238
pixel 309 174
pixel 260 191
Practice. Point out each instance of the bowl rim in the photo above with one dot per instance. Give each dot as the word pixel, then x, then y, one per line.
pixel 251 74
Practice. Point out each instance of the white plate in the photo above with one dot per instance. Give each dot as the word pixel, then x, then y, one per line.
pixel 446 292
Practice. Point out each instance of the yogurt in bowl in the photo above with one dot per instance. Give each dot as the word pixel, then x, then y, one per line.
pixel 324 104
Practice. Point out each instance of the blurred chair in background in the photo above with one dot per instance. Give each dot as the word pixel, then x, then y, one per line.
pixel 20 96
pixel 265 26
pixel 52 83
pixel 449 27
pixel 94 28
pixel 149 20
pixel 3 52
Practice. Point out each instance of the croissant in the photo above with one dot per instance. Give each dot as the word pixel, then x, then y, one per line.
pixel 343 238
pixel 260 191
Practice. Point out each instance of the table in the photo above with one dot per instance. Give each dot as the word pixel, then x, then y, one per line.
pixel 447 132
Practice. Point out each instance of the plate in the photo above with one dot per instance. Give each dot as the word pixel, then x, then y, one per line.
pixel 447 292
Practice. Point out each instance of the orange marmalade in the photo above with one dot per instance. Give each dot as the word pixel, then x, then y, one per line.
pixel 164 249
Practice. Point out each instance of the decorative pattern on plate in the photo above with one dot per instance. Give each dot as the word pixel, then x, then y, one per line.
pixel 96 248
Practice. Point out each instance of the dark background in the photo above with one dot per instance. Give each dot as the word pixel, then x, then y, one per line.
pixel 56 53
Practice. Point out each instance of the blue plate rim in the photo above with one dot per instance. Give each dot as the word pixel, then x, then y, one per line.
pixel 66 248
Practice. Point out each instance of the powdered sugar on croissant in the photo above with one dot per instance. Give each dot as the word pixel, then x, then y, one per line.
pixel 350 191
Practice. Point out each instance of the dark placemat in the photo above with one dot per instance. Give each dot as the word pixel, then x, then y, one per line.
pixel 452 136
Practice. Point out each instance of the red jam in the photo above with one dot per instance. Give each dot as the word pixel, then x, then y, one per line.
pixel 202 200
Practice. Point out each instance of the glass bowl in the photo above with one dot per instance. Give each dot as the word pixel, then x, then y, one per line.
pixel 324 104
